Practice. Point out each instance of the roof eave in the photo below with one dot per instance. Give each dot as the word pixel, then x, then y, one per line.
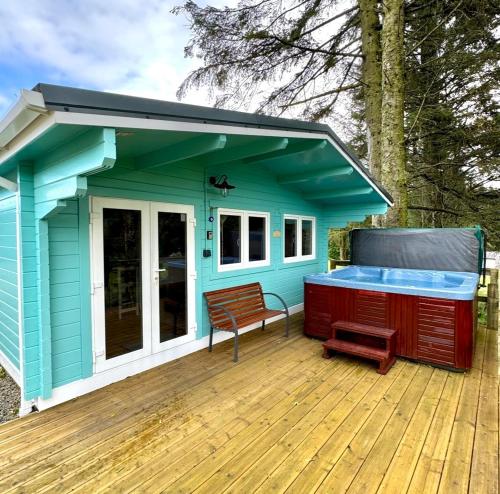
pixel 54 100
pixel 27 109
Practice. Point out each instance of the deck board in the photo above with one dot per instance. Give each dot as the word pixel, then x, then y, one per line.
pixel 283 419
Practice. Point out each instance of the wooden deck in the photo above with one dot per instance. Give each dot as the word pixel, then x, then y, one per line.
pixel 282 419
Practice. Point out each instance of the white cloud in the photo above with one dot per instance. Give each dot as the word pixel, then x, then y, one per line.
pixel 118 45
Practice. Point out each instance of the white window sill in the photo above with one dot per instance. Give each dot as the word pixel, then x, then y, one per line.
pixel 240 266
pixel 290 260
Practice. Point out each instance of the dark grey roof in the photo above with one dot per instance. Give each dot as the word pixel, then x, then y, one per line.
pixel 63 98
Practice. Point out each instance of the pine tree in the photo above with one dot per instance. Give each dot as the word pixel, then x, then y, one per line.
pixel 452 114
pixel 441 68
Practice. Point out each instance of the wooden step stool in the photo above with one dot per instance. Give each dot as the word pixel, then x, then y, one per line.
pixel 384 356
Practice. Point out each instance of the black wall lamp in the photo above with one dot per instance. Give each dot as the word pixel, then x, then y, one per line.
pixel 222 184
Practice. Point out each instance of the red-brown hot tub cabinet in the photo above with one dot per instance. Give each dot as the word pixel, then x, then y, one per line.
pixel 433 330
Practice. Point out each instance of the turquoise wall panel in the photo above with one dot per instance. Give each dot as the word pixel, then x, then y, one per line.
pixel 9 311
pixel 31 335
pixel 65 302
pixel 53 286
pixel 66 246
pixel 257 190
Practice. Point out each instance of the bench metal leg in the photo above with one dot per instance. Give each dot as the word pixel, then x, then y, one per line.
pixel 287 324
pixel 235 358
pixel 263 325
pixel 210 341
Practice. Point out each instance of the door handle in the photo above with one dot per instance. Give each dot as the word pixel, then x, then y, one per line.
pixel 157 273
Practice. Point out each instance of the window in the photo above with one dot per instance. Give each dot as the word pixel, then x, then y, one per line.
pixel 299 241
pixel 243 239
pixel 230 239
pixel 290 237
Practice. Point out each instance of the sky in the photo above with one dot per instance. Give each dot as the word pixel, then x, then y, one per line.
pixel 124 46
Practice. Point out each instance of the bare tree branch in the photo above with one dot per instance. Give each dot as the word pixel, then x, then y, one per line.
pixel 326 93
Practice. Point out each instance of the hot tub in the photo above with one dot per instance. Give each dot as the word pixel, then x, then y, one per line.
pixel 433 312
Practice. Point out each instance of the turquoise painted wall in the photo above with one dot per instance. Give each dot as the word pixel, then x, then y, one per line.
pixel 30 293
pixel 61 352
pixel 65 313
pixel 9 312
pixel 71 339
pixel 56 313
pixel 257 190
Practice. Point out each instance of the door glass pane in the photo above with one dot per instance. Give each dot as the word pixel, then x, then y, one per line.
pixel 257 238
pixel 122 281
pixel 290 237
pixel 230 239
pixel 172 277
pixel 307 227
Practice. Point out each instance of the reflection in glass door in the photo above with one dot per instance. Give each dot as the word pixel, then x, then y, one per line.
pixel 172 263
pixel 172 275
pixel 122 281
pixel 143 279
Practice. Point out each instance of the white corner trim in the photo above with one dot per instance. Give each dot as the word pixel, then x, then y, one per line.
pixel 10 368
pixel 24 406
pixel 101 379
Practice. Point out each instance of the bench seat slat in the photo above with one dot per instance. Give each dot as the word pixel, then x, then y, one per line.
pixel 236 310
pixel 248 319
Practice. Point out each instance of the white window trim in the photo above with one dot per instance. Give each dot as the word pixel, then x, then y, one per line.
pixel 299 257
pixel 244 247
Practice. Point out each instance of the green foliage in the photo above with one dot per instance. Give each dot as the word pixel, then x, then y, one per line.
pixel 303 57
pixel 274 53
pixel 334 244
pixel 452 114
pixel 482 315
pixel 2 373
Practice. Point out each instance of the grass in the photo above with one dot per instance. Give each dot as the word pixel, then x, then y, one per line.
pixel 2 373
pixel 481 313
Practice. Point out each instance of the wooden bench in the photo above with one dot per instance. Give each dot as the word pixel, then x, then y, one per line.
pixel 231 309
pixel 384 356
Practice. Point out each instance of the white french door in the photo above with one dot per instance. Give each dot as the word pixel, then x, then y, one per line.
pixel 143 278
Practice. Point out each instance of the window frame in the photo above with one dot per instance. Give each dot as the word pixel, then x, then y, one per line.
pixel 299 257
pixel 245 239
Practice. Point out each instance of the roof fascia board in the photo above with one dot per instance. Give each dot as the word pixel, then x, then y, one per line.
pixel 27 135
pixel 27 108
pixel 117 121
pixel 93 119
pixel 76 100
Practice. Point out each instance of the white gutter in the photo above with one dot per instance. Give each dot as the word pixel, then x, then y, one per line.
pixel 29 106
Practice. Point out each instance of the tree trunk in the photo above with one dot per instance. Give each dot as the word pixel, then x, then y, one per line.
pixel 392 142
pixel 372 79
pixel 372 90
pixel 344 245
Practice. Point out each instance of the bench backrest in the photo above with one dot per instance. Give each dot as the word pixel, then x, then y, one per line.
pixel 242 301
